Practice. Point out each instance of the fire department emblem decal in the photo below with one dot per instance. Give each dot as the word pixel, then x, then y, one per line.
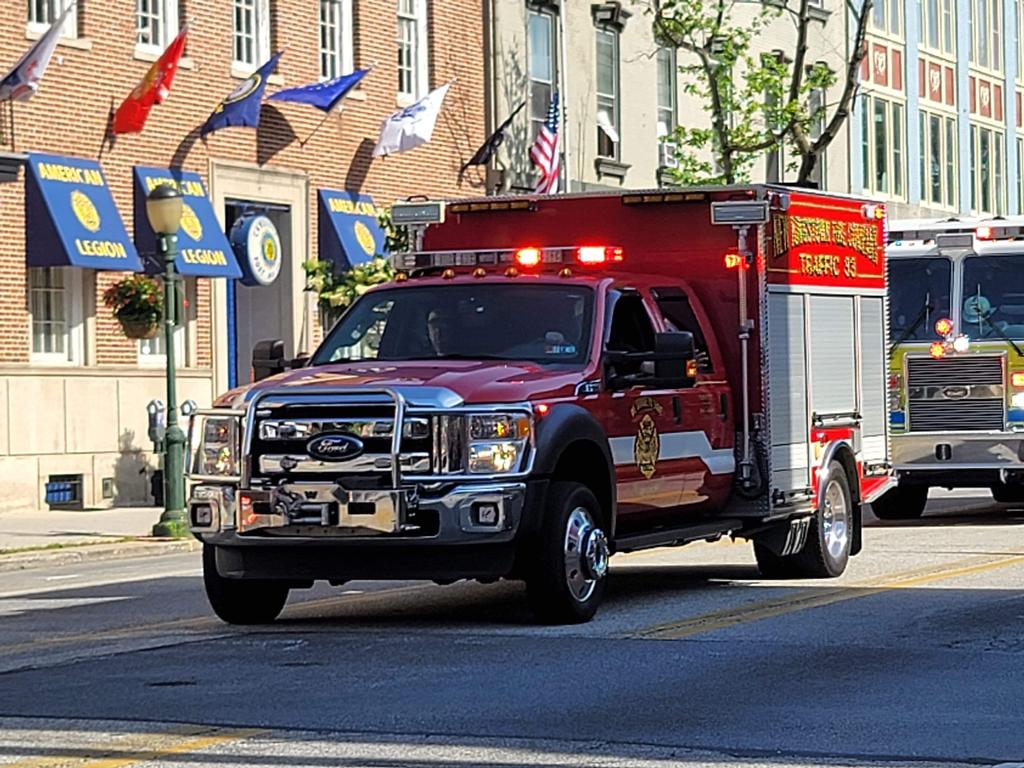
pixel 647 444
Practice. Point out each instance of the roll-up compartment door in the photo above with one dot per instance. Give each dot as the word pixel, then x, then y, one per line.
pixel 833 360
pixel 787 392
pixel 873 384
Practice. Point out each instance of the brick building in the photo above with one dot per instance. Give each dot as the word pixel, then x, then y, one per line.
pixel 73 389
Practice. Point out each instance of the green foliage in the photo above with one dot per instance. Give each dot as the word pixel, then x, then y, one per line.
pixel 753 101
pixel 136 298
pixel 336 290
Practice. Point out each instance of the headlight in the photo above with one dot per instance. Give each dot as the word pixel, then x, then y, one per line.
pixel 215 445
pixel 497 442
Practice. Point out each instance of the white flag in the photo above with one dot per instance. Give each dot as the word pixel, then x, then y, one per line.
pixel 411 126
pixel 22 82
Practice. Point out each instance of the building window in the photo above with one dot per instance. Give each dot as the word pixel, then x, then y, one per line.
pixel 883 138
pixel 939 160
pixel 543 67
pixel 667 91
pixel 887 17
pixel 54 296
pixel 986 21
pixel 156 23
pixel 335 38
pixel 938 26
pixel 251 32
pixel 42 13
pixel 987 158
pixel 412 48
pixel 608 93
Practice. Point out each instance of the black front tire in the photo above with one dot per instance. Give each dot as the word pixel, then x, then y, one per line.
pixel 829 536
pixel 906 502
pixel 559 593
pixel 241 601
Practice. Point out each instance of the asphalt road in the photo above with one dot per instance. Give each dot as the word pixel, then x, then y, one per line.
pixel 914 657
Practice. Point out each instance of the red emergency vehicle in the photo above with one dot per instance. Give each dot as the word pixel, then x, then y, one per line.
pixel 552 380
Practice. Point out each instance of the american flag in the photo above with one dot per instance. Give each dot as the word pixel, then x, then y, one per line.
pixel 544 151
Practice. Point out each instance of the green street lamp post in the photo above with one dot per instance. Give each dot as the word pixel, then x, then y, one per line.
pixel 163 209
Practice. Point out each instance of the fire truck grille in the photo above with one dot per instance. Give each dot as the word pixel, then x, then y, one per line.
pixel 279 441
pixel 963 394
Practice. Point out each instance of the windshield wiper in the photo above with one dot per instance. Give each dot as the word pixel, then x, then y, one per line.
pixel 1001 333
pixel 926 308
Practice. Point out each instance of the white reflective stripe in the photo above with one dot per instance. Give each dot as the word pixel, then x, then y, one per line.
pixel 678 445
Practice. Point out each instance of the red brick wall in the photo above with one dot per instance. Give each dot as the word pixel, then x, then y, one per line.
pixel 69 116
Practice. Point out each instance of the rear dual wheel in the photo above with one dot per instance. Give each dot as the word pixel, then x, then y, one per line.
pixel 829 536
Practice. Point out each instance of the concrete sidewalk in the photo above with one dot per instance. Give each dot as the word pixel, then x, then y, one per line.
pixel 51 536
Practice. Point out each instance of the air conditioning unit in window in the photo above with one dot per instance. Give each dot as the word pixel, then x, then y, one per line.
pixel 667 155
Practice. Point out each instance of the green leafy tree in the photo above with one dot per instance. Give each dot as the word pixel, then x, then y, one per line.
pixel 754 100
pixel 336 290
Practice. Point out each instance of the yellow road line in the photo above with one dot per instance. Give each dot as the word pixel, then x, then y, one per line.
pixel 139 748
pixel 768 609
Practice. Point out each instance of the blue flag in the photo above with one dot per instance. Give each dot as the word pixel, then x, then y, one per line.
pixel 322 95
pixel 241 107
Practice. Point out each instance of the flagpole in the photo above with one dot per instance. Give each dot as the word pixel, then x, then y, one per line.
pixel 563 87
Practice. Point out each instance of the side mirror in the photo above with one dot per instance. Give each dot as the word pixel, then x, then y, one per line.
pixel 674 354
pixel 267 359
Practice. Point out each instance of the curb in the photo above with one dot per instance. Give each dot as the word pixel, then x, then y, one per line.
pixel 87 553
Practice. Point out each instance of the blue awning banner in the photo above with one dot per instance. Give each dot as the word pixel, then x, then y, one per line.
pixel 71 218
pixel 349 233
pixel 203 248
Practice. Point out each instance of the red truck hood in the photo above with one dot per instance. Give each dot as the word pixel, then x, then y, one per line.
pixel 472 381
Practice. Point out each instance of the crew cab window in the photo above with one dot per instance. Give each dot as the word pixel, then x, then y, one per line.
pixel 630 330
pixel 676 310
pixel 548 324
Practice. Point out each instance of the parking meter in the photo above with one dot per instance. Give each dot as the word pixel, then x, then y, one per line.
pixel 157 424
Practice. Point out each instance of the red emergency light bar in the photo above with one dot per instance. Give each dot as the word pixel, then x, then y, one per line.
pixel 528 257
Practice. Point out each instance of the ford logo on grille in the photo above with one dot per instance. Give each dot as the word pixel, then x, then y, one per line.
pixel 956 393
pixel 334 447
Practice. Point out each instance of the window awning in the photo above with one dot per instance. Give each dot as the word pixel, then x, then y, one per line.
pixel 71 218
pixel 203 248
pixel 349 233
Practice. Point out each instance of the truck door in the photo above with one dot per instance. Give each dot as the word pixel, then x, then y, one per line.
pixel 656 461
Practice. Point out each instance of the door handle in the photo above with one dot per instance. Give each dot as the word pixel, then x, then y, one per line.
pixel 677 411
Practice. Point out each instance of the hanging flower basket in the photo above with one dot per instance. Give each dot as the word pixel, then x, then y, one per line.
pixel 138 305
pixel 139 328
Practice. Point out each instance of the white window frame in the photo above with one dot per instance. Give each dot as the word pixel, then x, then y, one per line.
pixel 895 148
pixel 997 178
pixel 167 13
pixel 539 108
pixel 340 58
pixel 148 356
pixel 74 341
pixel 887 18
pixel 944 13
pixel 609 102
pixel 260 34
pixel 672 108
pixel 948 161
pixel 990 30
pixel 419 53
pixel 53 9
pixel 1020 40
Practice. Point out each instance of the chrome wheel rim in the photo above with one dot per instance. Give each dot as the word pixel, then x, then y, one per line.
pixel 586 554
pixel 835 520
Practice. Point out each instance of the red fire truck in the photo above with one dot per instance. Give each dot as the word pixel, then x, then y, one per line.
pixel 549 381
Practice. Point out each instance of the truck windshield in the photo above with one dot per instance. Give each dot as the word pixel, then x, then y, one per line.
pixel 994 296
pixel 548 324
pixel 919 291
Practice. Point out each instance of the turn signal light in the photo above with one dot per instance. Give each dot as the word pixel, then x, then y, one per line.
pixel 944 326
pixel 528 257
pixel 691 369
pixel 1017 379
pixel 937 349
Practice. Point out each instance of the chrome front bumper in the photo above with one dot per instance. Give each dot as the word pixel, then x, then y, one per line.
pixel 319 512
pixel 946 451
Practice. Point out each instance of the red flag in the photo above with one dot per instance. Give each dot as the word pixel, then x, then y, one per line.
pixel 153 89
